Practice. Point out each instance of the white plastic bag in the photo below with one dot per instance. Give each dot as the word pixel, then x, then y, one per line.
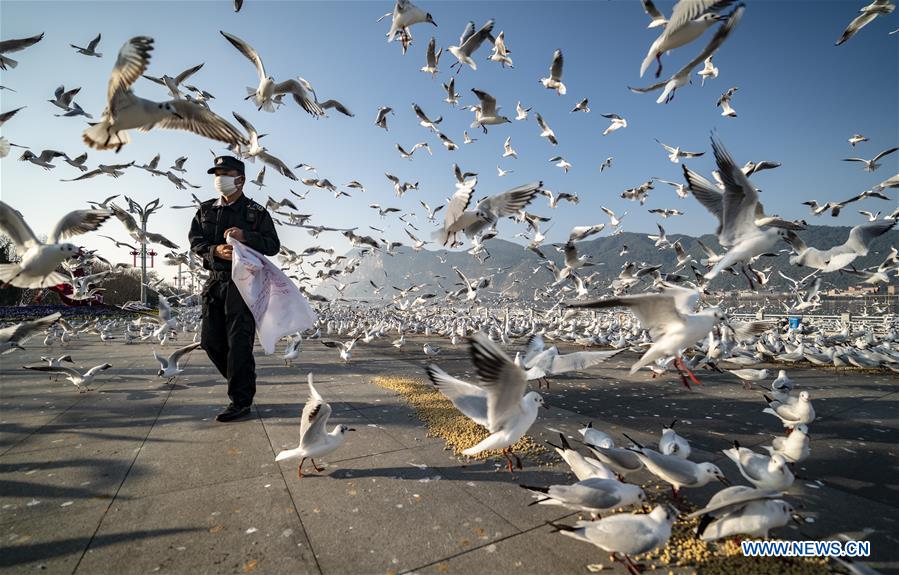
pixel 275 302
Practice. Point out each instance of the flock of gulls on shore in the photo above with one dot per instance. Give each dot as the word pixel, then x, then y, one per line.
pixel 664 322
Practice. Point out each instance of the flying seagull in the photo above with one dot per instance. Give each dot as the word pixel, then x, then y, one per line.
pixel 125 110
pixel 37 268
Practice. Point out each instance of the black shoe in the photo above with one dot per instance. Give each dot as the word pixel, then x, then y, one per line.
pixel 233 412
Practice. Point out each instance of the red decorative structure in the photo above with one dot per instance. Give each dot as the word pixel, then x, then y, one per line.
pixel 134 253
pixel 64 290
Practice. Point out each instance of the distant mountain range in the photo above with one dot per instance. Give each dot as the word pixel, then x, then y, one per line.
pixel 520 271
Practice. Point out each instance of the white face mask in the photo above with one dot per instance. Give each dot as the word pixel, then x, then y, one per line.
pixel 225 185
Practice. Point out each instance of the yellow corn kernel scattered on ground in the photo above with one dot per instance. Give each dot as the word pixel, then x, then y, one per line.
pixel 685 551
pixel 447 422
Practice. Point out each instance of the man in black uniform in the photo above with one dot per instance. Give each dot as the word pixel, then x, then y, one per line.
pixel 229 329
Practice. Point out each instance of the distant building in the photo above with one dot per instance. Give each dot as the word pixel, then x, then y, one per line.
pixel 860 290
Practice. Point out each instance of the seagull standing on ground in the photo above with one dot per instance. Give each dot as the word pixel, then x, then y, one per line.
pixel 315 440
pixel 625 534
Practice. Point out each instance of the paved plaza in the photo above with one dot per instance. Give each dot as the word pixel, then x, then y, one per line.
pixel 137 477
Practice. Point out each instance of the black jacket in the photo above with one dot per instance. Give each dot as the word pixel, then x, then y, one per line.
pixel 208 230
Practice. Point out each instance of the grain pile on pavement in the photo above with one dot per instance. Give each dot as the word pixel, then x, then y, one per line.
pixel 717 557
pixel 447 422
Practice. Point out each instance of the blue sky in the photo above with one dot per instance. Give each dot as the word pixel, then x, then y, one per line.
pixel 799 100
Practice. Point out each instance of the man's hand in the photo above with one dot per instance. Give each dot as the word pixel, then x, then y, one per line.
pixel 223 251
pixel 236 233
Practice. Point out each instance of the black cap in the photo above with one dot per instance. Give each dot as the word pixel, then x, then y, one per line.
pixel 227 163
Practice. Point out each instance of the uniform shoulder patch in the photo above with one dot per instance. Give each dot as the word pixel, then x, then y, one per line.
pixel 254 205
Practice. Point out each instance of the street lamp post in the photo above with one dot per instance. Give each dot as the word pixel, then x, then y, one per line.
pixel 144 213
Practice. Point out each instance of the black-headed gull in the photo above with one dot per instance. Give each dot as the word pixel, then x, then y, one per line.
pixel 617 123
pixel 724 103
pixel 763 471
pixel 500 53
pixel 554 80
pixel 346 348
pixel 673 444
pixel 14 336
pixel 866 16
pixel 871 165
pixel 169 366
pixel 458 218
pixel 545 130
pixel 682 77
pixel 78 379
pixel 173 83
pixel 677 472
pixel 498 401
pixel 792 413
pixel 126 111
pixel 741 510
pixel 794 447
pixel 670 319
pixel 857 139
pixel 404 15
pixel 736 210
pixel 675 153
pixel 596 437
pixel 709 70
pixel 14 45
pixel 381 119
pixel 582 467
pixel 593 495
pixel 315 440
pixel 622 461
pixel 432 58
pixel 262 94
pixel 625 534
pixel 469 43
pixel 689 20
pixel 838 257
pixel 487 112
pixel 62 98
pixel 39 260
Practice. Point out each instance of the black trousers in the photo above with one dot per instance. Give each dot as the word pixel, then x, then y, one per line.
pixel 227 335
